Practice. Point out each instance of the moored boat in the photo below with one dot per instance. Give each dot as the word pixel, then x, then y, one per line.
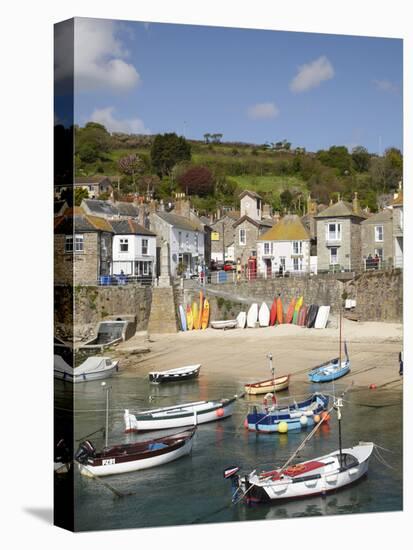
pixel 175 375
pixel 295 416
pixel 93 368
pixel 119 459
pixel 318 476
pixel 178 416
pixel 265 386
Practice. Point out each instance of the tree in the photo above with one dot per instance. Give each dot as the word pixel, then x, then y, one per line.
pixel 131 165
pixel 286 199
pixel 92 141
pixel 80 194
pixel 336 157
pixel 167 150
pixel 207 137
pixel 361 158
pixel 197 180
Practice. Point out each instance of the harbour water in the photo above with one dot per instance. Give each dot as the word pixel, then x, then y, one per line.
pixel 192 489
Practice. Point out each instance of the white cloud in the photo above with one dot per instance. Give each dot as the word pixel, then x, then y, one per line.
pixel 263 110
pixel 112 124
pixel 385 85
pixel 98 58
pixel 311 75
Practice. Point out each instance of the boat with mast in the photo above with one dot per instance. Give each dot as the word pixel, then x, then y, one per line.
pixel 335 368
pixel 318 476
pixel 272 385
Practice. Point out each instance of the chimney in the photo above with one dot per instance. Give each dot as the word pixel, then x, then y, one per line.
pixel 266 212
pixel 356 206
pixel 182 208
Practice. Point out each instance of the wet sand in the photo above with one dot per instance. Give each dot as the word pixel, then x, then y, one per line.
pixel 241 353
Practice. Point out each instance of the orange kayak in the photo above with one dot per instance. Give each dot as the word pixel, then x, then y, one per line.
pixel 290 311
pixel 280 313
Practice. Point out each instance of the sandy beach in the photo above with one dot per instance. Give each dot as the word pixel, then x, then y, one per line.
pixel 241 353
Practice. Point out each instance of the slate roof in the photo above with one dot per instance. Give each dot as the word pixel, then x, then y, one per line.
pixel 385 215
pixel 339 209
pixel 127 209
pixel 100 207
pixel 250 193
pixel 257 223
pixel 289 228
pixel 75 219
pixel 130 227
pixel 90 179
pixel 179 221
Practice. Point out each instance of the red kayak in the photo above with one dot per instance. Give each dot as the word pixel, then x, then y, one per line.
pixel 273 313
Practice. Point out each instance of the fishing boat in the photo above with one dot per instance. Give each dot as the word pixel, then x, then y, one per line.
pixel 231 323
pixel 335 368
pixel 318 476
pixel 93 368
pixel 178 416
pixel 175 375
pixel 275 418
pixel 272 385
pixel 120 459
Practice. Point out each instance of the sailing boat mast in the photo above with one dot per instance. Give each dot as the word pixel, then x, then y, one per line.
pixel 271 366
pixel 338 405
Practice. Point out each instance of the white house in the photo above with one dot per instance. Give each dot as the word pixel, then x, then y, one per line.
pixel 284 248
pixel 133 250
pixel 250 205
pixel 186 240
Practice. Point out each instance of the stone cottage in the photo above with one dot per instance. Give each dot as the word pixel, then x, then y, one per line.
pixel 377 240
pixel 339 237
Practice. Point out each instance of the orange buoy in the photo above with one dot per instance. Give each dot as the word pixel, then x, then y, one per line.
pixel 325 416
pixel 220 412
pixel 246 423
pixel 373 386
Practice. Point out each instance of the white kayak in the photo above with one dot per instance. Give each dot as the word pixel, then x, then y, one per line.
pixel 252 316
pixel 322 317
pixel 264 315
pixel 242 319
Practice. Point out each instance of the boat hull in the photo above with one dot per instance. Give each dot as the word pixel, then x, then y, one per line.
pixel 86 377
pixel 332 478
pixel 267 386
pixel 165 376
pixel 122 467
pixel 321 374
pixel 140 423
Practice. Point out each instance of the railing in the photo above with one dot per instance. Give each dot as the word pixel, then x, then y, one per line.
pixel 377 264
pixel 121 280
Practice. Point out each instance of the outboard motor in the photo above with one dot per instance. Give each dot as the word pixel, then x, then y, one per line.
pixel 86 450
pixel 232 474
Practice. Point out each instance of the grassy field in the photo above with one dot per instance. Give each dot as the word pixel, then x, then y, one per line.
pixel 269 184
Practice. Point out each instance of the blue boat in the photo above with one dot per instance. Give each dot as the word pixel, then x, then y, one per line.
pixel 331 370
pixel 296 416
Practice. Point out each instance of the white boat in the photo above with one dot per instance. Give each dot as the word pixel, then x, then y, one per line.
pixel 252 316
pixel 322 317
pixel 318 476
pixel 264 315
pixel 242 319
pixel 130 457
pixel 93 368
pixel 231 323
pixel 178 416
pixel 175 375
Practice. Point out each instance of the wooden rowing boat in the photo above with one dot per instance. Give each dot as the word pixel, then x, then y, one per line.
pixel 265 386
pixel 175 375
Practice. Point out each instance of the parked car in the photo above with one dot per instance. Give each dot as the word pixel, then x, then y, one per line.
pixel 229 266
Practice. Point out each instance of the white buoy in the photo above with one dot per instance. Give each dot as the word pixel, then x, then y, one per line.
pixel 303 420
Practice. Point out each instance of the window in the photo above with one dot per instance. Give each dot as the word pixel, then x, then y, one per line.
pixel 333 231
pixel 69 243
pixel 124 245
pixel 297 247
pixel 180 239
pixel 242 237
pixel 333 255
pixel 266 248
pixel 187 241
pixel 282 262
pixel 401 219
pixel 378 233
pixel 144 247
pixel 78 243
pixel 196 239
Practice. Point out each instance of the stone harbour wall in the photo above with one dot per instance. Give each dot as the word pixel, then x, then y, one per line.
pixel 93 304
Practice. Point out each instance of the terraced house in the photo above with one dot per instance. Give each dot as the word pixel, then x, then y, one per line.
pixel 339 237
pixel 285 248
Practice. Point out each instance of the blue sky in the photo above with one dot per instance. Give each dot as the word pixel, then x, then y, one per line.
pixel 250 85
